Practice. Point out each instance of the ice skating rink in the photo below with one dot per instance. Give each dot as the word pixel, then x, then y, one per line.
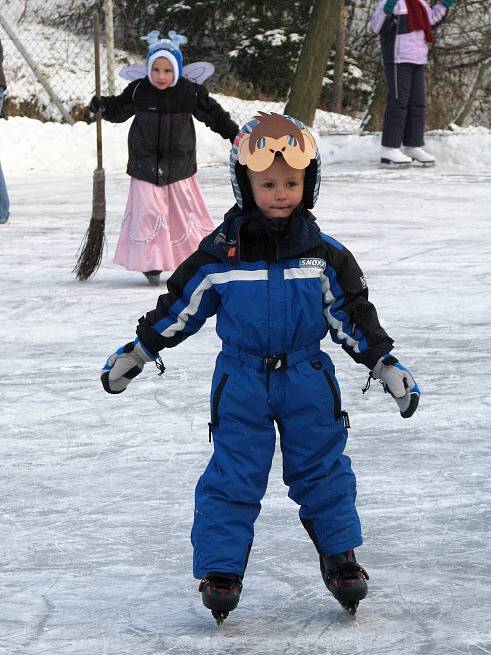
pixel 97 490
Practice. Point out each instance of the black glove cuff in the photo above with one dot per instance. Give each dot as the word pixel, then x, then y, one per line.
pixel 105 383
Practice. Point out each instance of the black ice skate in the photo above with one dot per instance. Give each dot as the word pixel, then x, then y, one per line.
pixel 345 579
pixel 153 278
pixel 220 593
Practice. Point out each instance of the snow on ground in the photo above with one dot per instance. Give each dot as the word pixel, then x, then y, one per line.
pixel 97 490
pixel 28 145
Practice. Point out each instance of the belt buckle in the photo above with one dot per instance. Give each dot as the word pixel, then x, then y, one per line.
pixel 274 362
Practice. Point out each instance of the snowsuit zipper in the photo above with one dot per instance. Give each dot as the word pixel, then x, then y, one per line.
pixel 276 247
pixel 274 315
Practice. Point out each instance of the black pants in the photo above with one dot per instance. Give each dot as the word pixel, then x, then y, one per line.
pixel 404 120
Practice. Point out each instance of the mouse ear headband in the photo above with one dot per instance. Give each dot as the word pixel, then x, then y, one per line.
pixel 276 134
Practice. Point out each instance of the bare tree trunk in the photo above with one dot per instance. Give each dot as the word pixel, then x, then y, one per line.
pixel 476 87
pixel 111 85
pixel 374 116
pixel 338 90
pixel 307 83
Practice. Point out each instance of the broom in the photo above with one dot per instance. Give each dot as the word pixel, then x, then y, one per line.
pixel 92 246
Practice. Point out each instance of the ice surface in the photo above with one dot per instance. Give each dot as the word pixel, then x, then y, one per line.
pixel 97 490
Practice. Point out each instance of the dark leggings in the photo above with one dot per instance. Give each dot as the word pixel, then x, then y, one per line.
pixel 404 120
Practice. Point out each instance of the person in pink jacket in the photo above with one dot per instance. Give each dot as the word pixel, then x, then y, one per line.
pixel 406 30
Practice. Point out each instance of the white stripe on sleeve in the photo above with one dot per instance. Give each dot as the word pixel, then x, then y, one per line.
pixel 302 273
pixel 207 282
pixel 334 322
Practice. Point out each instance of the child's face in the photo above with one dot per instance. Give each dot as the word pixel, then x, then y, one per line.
pixel 278 190
pixel 162 73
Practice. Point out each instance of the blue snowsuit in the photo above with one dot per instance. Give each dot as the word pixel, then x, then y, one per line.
pixel 277 287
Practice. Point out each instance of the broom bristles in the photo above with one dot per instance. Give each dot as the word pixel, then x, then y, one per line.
pixel 92 246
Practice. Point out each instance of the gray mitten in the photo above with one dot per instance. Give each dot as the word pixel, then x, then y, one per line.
pixel 124 365
pixel 398 381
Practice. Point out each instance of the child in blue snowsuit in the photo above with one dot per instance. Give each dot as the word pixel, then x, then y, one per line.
pixel 277 285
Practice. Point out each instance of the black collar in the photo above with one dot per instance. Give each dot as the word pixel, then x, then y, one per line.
pixel 291 237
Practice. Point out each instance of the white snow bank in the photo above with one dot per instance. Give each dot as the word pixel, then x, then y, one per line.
pixel 325 121
pixel 466 149
pixel 29 145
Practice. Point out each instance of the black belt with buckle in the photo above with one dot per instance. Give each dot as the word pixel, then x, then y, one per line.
pixel 271 362
pixel 275 362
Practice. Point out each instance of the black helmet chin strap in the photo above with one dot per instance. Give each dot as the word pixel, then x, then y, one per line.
pixel 309 184
pixel 244 186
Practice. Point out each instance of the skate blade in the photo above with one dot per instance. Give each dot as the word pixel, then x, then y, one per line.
pixel 387 163
pixel 423 164
pixel 219 616
pixel 351 608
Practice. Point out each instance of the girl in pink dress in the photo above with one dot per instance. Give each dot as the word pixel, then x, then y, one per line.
pixel 166 216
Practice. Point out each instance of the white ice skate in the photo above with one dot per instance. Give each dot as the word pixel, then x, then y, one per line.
pixel 419 156
pixel 394 158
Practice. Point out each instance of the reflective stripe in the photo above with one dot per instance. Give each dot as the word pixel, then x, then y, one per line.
pixel 298 273
pixel 206 284
pixel 238 276
pixel 334 322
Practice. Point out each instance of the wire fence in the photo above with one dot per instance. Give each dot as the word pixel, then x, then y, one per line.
pixel 49 63
pixel 49 58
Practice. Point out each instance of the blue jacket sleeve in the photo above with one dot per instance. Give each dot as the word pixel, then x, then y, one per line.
pixel 181 312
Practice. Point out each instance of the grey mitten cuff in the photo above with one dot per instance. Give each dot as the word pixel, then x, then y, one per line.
pixel 124 365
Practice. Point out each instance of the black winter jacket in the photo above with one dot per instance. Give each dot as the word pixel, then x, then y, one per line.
pixel 162 139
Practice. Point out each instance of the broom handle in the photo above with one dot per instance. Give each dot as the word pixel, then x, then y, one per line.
pixel 98 86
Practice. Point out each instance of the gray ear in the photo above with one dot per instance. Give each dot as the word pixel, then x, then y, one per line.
pixel 198 72
pixel 133 72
